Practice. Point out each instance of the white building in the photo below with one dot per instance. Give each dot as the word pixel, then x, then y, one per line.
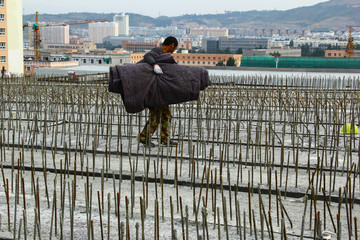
pixel 11 36
pixel 55 34
pixel 209 32
pixel 98 31
pixel 123 24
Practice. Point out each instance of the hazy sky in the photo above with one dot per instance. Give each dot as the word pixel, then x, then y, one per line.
pixel 154 8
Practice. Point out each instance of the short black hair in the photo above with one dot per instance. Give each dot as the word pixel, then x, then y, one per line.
pixel 170 40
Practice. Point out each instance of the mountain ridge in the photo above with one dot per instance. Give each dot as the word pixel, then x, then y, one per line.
pixel 334 14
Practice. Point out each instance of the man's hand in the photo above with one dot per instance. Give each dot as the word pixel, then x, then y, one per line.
pixel 157 69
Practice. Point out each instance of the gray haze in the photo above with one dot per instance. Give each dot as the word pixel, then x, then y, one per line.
pixel 155 8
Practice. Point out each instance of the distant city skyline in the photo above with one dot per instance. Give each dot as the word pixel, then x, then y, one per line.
pixel 156 8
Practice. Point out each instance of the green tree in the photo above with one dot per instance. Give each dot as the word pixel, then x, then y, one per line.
pixel 239 51
pixel 275 54
pixel 230 62
pixel 305 50
pixel 318 52
pixel 227 50
pixel 220 63
pixel 291 44
pixel 196 50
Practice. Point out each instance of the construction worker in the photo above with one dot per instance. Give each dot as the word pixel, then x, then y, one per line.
pixel 162 113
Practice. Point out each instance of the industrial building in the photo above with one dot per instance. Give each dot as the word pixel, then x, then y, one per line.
pixel 98 31
pixel 11 37
pixel 123 24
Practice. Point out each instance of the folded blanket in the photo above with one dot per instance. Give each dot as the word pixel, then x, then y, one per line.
pixel 140 87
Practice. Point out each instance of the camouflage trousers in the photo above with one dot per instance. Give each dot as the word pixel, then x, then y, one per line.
pixel 162 113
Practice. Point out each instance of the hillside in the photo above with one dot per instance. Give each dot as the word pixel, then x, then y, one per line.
pixel 334 14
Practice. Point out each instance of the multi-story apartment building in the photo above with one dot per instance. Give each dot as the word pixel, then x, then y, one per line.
pixel 195 59
pixel 55 34
pixel 123 24
pixel 139 46
pixel 11 37
pixel 98 31
pixel 209 32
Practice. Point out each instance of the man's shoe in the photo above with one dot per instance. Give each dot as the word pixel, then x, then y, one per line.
pixel 148 144
pixel 171 143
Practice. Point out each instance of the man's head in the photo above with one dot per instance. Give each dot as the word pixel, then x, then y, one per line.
pixel 169 45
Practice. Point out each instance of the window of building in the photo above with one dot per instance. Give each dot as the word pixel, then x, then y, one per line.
pixel 84 60
pixel 203 62
pixel 2 31
pixel 92 60
pixel 100 61
pixel 193 62
pixel 3 59
pixel 2 3
pixel 28 69
pixel 2 45
pixel 339 54
pixel 188 62
pixel 334 54
pixel 329 54
pixel 198 62
pixel 2 17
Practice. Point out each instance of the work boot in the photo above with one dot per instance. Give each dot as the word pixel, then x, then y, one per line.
pixel 171 143
pixel 148 144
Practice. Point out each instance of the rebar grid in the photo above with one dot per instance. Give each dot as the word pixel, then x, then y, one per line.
pixel 246 133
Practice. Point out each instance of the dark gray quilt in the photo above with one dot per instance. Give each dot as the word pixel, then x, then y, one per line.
pixel 140 87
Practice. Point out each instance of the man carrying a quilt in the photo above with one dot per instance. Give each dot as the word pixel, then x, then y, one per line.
pixel 158 114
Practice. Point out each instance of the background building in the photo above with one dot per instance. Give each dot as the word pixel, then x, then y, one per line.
pixel 123 24
pixel 98 31
pixel 209 32
pixel 233 44
pixel 11 36
pixel 139 46
pixel 195 59
pixel 86 46
pixel 284 52
pixel 341 54
pixel 55 34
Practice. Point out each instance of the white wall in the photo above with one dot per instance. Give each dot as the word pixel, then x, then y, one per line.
pixel 15 36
